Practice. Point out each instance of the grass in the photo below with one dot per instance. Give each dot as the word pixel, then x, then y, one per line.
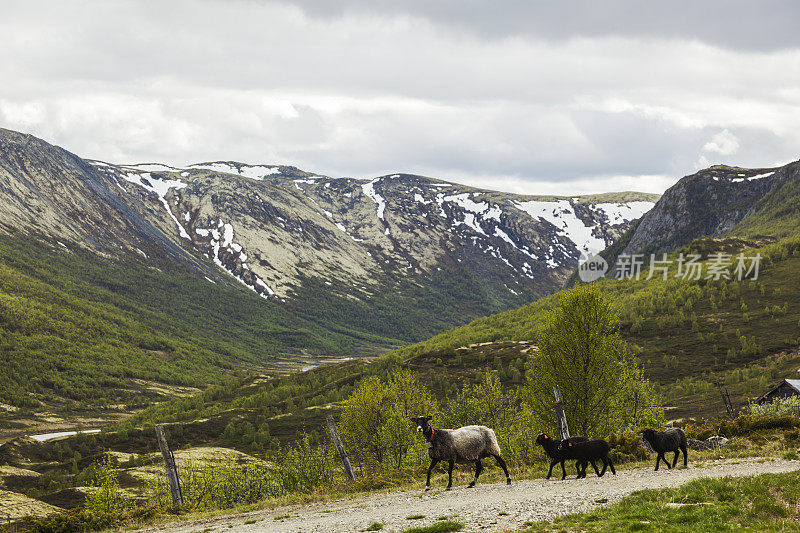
pixel 375 526
pixel 767 502
pixel 760 443
pixel 439 527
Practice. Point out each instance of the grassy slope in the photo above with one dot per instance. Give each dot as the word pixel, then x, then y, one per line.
pixel 677 313
pixel 80 328
pixel 689 335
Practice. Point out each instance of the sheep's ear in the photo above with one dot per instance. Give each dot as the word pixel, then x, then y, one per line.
pixel 413 419
pixel 569 443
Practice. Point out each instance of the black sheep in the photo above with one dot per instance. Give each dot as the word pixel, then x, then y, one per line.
pixel 593 450
pixel 671 440
pixel 551 449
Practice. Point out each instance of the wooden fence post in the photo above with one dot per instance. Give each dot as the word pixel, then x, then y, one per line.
pixel 561 418
pixel 726 399
pixel 169 464
pixel 358 456
pixel 348 469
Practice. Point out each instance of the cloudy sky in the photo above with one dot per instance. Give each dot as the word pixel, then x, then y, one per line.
pixel 536 97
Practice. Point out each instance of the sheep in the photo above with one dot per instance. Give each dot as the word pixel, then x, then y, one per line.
pixel 551 449
pixel 584 452
pixel 463 445
pixel 671 440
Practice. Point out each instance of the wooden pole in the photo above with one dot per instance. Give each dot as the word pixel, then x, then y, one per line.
pixel 358 456
pixel 169 464
pixel 726 399
pixel 561 418
pixel 340 447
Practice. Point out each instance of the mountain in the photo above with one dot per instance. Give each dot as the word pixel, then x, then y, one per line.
pixel 720 200
pixel 183 275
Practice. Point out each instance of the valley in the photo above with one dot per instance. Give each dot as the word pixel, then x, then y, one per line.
pixel 241 305
pixel 123 285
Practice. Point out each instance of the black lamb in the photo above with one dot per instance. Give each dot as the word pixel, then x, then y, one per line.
pixel 583 452
pixel 468 444
pixel 671 440
pixel 551 449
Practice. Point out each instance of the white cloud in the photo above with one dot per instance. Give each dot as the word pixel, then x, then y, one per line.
pixel 369 91
pixel 724 143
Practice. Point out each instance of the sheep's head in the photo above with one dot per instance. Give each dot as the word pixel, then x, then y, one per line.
pixel 421 422
pixel 649 434
pixel 541 438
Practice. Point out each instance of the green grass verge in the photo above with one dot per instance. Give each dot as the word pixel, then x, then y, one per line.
pixel 439 527
pixel 768 502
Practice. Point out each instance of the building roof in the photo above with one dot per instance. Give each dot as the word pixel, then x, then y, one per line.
pixel 793 383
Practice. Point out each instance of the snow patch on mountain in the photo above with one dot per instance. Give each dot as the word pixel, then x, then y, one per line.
pixel 255 172
pixel 562 215
pixel 160 188
pixel 623 212
pixel 369 190
pixel 222 239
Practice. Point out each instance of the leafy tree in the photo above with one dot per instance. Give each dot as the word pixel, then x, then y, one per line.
pixel 105 495
pixel 376 416
pixel 581 352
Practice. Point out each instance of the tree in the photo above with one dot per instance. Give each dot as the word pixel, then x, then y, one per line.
pixel 376 416
pixel 581 352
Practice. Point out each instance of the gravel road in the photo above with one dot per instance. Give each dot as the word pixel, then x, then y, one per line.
pixel 479 508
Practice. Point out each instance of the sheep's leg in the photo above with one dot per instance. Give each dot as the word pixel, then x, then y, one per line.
pixel 611 465
pixel 552 464
pixel 450 464
pixel 428 482
pixel 675 459
pixel 504 466
pixel 658 459
pixel 582 469
pixel 599 474
pixel 478 469
pixel 685 457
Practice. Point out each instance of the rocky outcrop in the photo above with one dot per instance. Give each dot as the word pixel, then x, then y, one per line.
pixel 706 204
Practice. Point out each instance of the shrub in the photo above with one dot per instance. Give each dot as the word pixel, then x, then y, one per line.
pixel 105 496
pixel 779 406
pixel 626 447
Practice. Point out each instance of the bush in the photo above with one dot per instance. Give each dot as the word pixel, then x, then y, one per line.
pixel 376 417
pixel 105 497
pixel 744 425
pixel 779 406
pixel 626 447
pixel 80 520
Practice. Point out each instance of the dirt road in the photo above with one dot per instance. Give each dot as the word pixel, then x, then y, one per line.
pixel 479 508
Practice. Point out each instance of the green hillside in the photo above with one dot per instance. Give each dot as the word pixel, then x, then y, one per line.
pixel 688 335
pixel 81 331
pixel 78 328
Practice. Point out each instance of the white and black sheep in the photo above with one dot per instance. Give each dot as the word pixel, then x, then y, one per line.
pixel 468 444
pixel 671 440
pixel 551 449
pixel 584 452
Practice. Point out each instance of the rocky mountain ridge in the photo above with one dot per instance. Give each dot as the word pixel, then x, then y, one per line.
pixel 710 203
pixel 277 229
